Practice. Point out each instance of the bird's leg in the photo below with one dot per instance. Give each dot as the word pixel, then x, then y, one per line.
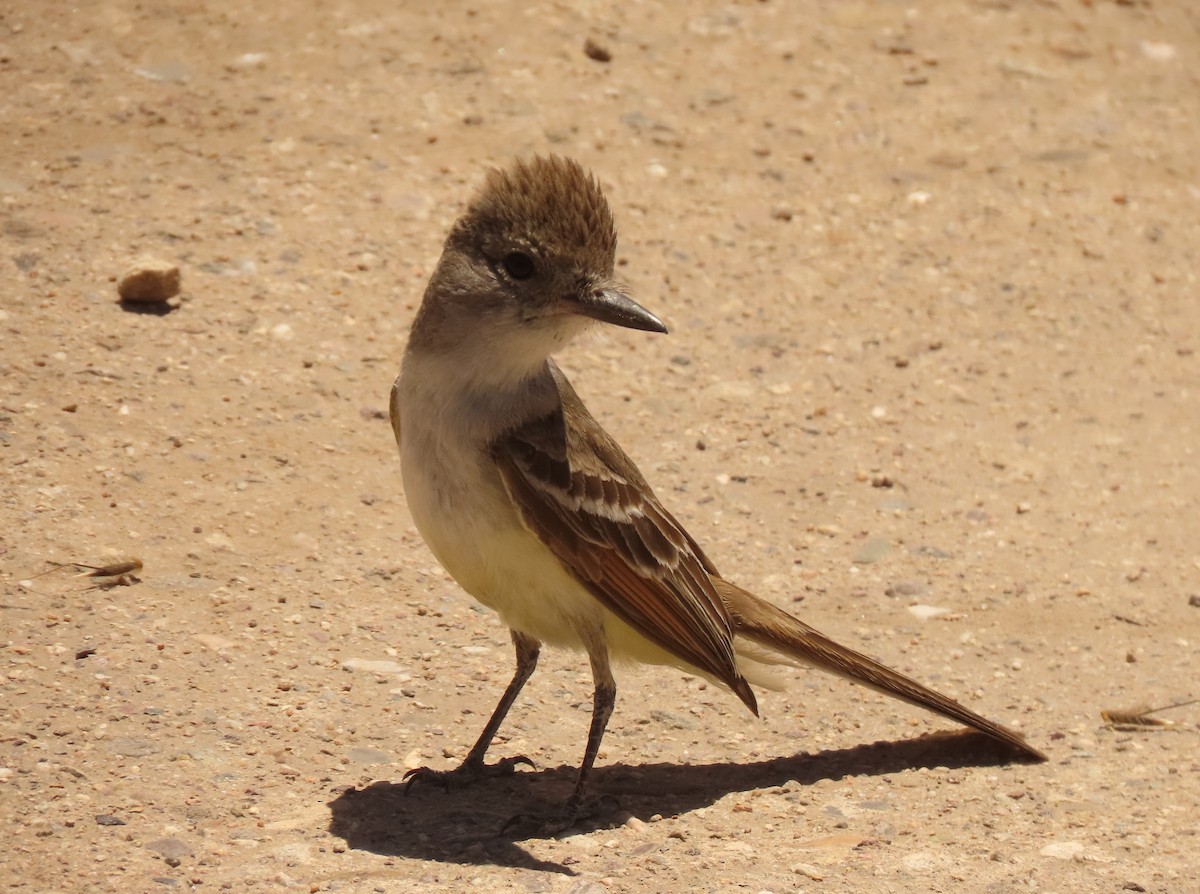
pixel 527 649
pixel 473 768
pixel 603 699
pixel 578 807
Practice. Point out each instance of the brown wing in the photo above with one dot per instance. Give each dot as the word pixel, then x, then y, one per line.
pixel 585 499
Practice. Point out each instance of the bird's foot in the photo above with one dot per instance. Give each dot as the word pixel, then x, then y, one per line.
pixel 464 774
pixel 549 825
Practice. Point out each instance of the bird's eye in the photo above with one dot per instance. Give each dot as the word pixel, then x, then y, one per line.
pixel 519 265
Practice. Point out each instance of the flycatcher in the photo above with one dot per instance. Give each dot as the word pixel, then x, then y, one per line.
pixel 534 508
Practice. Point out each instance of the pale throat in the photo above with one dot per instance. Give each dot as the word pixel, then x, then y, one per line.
pixel 473 396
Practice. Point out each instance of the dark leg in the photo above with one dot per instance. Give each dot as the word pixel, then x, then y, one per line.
pixel 577 806
pixel 473 767
pixel 603 700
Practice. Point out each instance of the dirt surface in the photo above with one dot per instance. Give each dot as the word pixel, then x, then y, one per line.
pixel 932 382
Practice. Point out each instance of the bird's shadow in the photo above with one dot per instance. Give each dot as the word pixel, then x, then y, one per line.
pixel 468 825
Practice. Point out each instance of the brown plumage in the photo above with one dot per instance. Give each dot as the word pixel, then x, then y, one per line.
pixel 586 500
pixel 642 565
pixel 531 504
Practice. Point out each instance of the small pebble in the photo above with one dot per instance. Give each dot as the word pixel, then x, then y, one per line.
pixel 596 51
pixel 1063 850
pixel 248 61
pixel 809 871
pixel 373 666
pixel 149 281
pixel 128 746
pixel 172 850
pixel 169 72
pixel 872 551
pixel 920 861
pixel 1159 51
pixel 369 756
pixel 925 612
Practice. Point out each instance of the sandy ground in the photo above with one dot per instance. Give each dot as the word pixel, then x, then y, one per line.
pixel 930 271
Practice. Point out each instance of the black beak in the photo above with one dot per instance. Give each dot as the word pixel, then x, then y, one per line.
pixel 610 305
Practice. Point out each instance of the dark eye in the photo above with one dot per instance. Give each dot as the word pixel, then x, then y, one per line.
pixel 519 265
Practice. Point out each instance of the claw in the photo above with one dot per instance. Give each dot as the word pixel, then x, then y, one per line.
pixel 418 774
pixel 465 773
pixel 518 818
pixel 573 812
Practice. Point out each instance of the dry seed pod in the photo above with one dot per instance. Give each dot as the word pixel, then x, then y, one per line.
pixel 1139 717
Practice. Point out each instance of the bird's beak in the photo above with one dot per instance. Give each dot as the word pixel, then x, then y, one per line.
pixel 611 305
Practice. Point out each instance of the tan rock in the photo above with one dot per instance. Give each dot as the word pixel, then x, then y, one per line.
pixel 149 281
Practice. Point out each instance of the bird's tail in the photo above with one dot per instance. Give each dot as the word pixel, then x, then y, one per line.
pixel 771 627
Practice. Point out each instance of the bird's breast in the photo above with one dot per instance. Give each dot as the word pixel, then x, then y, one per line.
pixel 459 504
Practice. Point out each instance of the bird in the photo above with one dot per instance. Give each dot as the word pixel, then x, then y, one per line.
pixel 532 506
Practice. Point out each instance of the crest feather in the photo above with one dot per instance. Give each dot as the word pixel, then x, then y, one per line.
pixel 552 202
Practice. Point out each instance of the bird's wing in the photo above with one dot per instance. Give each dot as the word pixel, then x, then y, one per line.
pixel 578 492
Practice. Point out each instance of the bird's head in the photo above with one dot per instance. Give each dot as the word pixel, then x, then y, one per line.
pixel 530 263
